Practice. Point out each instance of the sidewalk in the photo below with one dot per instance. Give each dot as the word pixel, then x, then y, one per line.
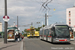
pixel 11 46
pixel 1 39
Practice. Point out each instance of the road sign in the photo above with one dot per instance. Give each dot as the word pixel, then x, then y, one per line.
pixel 6 18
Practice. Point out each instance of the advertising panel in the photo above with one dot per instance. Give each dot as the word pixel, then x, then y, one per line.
pixel 10 34
pixel 71 35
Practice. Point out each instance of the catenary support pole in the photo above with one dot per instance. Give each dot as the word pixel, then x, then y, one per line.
pixel 46 19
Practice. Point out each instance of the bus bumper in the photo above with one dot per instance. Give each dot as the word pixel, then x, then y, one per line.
pixel 61 40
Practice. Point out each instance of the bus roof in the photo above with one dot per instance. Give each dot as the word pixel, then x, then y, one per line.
pixel 52 25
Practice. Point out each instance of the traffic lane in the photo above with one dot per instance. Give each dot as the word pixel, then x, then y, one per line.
pixel 37 44
pixel 63 46
pixel 32 44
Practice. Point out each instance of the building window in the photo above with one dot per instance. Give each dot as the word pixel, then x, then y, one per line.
pixel 69 22
pixel 69 19
pixel 69 11
pixel 69 14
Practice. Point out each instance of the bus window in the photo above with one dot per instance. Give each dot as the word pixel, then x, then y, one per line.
pixel 53 31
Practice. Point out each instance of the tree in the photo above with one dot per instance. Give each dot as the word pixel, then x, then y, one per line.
pixel 26 31
pixel 38 29
pixel 43 25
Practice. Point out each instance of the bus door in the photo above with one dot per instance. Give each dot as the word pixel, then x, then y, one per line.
pixel 47 32
pixel 50 35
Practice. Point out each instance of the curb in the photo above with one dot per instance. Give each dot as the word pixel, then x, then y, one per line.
pixel 21 48
pixel 24 43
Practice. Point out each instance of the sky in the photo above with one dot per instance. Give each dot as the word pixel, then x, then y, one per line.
pixel 31 11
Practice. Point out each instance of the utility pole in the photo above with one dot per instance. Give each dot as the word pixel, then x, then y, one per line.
pixel 5 30
pixel 14 24
pixel 17 22
pixel 46 19
pixel 42 23
pixel 31 23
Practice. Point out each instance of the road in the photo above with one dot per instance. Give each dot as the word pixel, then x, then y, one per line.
pixel 37 44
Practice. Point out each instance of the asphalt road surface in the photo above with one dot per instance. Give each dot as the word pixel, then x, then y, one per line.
pixel 37 44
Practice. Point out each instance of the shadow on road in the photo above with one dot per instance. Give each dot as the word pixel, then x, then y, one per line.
pixel 59 43
pixel 7 46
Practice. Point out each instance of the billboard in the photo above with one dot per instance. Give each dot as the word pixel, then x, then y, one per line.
pixel 10 34
pixel 71 35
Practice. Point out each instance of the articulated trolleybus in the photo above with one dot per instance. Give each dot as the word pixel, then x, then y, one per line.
pixel 55 33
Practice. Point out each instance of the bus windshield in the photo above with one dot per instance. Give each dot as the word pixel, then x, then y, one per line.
pixel 62 31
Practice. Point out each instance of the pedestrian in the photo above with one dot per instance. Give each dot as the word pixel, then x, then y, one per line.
pixel 22 37
pixel 18 37
pixel 15 36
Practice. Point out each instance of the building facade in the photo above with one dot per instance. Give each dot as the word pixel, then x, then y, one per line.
pixel 0 27
pixel 70 17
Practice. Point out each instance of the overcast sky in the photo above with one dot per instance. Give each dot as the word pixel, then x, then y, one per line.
pixel 31 11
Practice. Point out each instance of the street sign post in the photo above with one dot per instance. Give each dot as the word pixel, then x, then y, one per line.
pixel 6 18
